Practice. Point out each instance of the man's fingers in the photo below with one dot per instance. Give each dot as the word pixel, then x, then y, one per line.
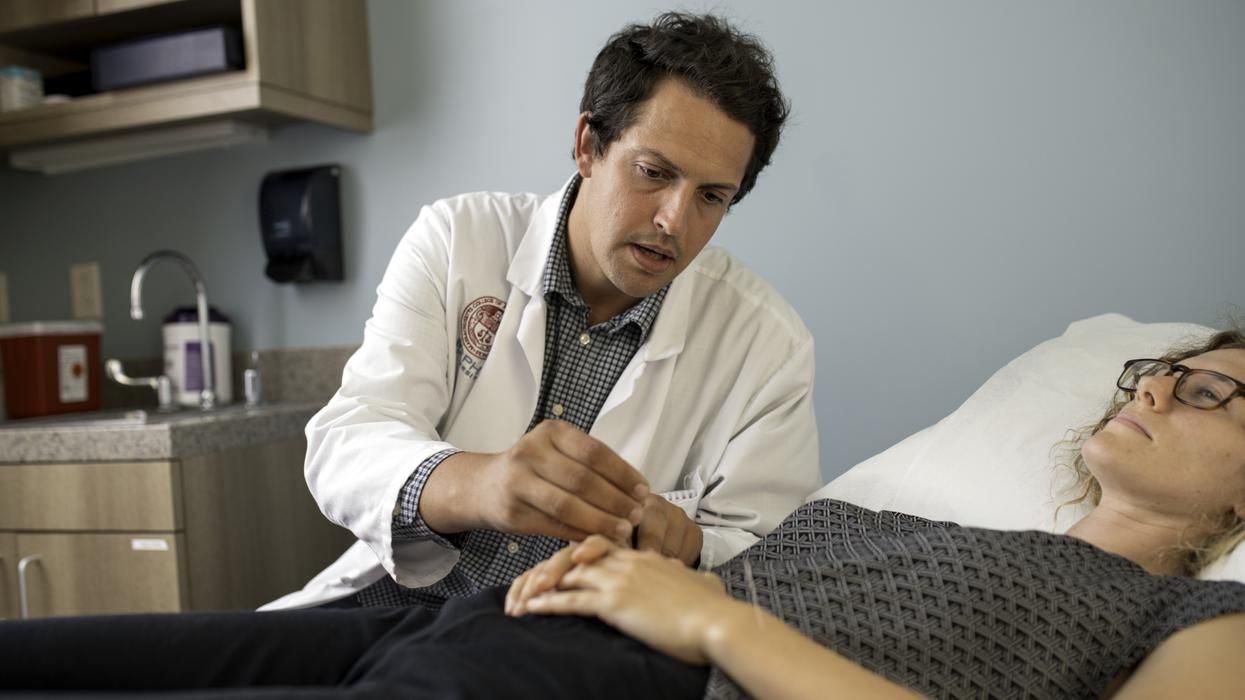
pixel 676 532
pixel 589 486
pixel 692 543
pixel 652 530
pixel 552 505
pixel 535 522
pixel 587 450
pixel 682 535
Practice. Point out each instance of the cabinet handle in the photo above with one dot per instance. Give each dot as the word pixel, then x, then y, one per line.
pixel 6 605
pixel 21 583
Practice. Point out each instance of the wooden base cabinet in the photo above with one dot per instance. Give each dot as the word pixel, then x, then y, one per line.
pixel 88 574
pixel 8 576
pixel 228 530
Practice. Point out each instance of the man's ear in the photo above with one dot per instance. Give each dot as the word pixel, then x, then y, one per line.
pixel 585 156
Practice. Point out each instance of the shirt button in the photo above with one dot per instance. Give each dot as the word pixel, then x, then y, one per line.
pixel 513 548
pixel 584 339
pixel 558 410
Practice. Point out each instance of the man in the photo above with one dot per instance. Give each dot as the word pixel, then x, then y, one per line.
pixel 540 371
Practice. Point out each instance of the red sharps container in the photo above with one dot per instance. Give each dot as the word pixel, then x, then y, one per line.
pixel 50 367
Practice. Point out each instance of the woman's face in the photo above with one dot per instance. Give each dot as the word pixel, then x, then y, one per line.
pixel 1172 459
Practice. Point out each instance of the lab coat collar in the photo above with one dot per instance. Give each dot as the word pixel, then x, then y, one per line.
pixel 527 269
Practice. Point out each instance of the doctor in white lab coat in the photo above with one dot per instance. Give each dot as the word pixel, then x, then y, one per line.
pixel 713 413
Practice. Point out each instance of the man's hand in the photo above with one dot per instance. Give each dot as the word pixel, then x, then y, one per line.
pixel 666 529
pixel 556 480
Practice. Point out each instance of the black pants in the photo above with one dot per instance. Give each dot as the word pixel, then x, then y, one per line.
pixel 469 650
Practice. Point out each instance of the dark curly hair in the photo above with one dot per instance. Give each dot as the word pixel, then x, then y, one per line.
pixel 1086 487
pixel 731 69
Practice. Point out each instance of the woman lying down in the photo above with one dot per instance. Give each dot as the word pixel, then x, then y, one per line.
pixel 838 600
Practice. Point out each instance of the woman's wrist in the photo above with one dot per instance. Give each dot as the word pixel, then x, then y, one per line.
pixel 726 622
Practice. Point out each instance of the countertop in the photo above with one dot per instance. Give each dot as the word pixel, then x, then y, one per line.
pixel 124 436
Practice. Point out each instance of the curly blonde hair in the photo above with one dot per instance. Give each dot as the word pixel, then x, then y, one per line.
pixel 1224 538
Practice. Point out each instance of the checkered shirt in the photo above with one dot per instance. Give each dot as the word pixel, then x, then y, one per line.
pixel 582 364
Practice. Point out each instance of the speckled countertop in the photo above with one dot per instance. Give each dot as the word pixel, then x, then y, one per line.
pixel 122 436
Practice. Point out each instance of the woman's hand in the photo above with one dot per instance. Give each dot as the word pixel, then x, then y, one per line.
pixel 655 599
pixel 546 575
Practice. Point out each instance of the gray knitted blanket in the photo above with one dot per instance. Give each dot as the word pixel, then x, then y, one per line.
pixel 959 612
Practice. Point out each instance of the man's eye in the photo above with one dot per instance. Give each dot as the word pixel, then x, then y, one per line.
pixel 648 172
pixel 714 198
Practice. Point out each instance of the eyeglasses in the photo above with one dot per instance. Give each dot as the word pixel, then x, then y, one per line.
pixel 1199 388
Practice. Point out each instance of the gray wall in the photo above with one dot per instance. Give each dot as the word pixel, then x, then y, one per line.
pixel 960 181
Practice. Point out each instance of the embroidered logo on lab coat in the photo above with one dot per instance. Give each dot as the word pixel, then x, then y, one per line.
pixel 477 328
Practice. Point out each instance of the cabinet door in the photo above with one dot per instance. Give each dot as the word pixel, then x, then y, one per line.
pixel 8 576
pixel 19 14
pixel 88 574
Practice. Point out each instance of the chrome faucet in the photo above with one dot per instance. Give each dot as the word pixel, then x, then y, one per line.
pixel 207 394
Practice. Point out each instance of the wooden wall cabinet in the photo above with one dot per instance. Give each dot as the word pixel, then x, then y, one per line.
pixel 20 14
pixel 306 60
pixel 227 530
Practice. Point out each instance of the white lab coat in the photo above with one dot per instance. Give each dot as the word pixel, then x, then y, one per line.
pixel 715 408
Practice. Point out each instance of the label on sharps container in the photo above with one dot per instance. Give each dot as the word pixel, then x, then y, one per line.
pixel 149 545
pixel 73 373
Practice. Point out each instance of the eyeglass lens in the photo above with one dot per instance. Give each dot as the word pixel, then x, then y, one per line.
pixel 1195 388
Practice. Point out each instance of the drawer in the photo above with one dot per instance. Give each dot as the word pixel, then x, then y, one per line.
pixel 92 574
pixel 117 496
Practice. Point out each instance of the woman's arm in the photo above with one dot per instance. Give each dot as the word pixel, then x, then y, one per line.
pixel 1202 661
pixel 772 660
pixel 687 615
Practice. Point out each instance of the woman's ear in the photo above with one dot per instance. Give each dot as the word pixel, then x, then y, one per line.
pixel 585 142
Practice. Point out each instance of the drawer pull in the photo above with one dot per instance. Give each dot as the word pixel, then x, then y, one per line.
pixel 149 545
pixel 22 590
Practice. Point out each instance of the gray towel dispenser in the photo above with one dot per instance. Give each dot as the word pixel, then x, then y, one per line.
pixel 300 220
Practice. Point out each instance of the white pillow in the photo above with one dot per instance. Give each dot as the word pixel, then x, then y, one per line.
pixel 989 463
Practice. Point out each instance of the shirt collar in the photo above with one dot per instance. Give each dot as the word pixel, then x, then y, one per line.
pixel 557 279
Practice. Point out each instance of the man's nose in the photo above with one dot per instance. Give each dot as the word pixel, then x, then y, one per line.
pixel 1157 391
pixel 675 208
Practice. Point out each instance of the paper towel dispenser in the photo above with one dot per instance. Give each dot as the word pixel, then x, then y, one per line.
pixel 300 220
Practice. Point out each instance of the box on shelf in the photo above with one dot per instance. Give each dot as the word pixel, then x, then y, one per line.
pixel 50 367
pixel 168 57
